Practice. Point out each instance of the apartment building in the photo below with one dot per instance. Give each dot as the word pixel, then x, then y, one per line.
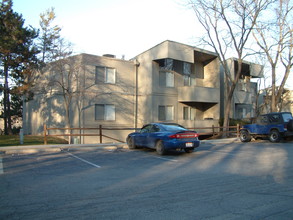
pixel 245 94
pixel 178 83
pixel 170 82
pixel 102 93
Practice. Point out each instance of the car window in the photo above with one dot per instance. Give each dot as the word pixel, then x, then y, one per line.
pixel 155 128
pixel 274 118
pixel 172 127
pixel 146 129
pixel 287 117
pixel 262 119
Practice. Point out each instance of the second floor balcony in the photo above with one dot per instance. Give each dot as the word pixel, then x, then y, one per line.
pixel 198 94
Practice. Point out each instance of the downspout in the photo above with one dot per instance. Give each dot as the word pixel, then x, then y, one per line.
pixel 136 63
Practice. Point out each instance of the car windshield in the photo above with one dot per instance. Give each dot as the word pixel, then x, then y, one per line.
pixel 172 127
pixel 287 117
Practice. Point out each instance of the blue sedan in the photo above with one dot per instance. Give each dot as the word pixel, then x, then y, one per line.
pixel 164 137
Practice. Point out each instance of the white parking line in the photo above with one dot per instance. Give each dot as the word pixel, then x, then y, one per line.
pixel 1 166
pixel 163 158
pixel 95 165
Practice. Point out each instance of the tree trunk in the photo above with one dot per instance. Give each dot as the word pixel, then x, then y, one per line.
pixel 7 115
pixel 281 88
pixel 228 102
pixel 67 119
pixel 228 110
pixel 273 99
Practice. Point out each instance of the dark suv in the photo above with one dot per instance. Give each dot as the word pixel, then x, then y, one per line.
pixel 275 126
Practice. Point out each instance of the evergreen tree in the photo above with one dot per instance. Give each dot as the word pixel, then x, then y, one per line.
pixel 17 55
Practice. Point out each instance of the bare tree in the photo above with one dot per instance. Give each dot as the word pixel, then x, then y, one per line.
pixel 228 25
pixel 275 39
pixel 49 35
pixel 63 76
pixel 57 78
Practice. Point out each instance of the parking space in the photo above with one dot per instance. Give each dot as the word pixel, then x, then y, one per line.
pixel 217 181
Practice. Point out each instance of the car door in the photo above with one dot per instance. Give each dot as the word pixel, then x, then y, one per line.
pixel 262 125
pixel 141 138
pixel 152 136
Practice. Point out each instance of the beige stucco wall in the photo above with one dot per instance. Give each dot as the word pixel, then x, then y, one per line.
pixel 47 107
pixel 151 94
pixel 202 96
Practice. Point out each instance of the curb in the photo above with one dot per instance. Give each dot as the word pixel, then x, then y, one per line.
pixel 31 149
pixel 221 141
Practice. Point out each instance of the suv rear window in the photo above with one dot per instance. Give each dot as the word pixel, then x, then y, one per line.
pixel 287 117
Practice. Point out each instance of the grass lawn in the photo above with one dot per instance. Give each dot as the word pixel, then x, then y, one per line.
pixel 13 140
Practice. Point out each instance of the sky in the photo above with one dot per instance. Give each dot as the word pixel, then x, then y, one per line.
pixel 119 27
pixel 124 28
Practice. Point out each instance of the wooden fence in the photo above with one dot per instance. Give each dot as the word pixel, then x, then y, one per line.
pixel 214 131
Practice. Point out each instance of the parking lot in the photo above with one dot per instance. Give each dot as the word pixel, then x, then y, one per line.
pixel 218 181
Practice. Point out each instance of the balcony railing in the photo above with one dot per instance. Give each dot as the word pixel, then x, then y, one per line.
pixel 198 94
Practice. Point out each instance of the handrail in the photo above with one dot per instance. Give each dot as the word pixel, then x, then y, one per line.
pixel 101 128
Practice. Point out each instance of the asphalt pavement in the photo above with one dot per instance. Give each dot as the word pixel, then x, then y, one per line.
pixel 27 149
pixel 249 181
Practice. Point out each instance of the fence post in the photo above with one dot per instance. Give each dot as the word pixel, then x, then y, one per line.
pixel 45 134
pixel 238 130
pixel 101 135
pixel 213 130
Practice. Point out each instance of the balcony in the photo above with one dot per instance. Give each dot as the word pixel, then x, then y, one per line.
pixel 198 94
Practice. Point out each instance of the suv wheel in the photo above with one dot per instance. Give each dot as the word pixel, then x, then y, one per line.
pixel 275 136
pixel 245 136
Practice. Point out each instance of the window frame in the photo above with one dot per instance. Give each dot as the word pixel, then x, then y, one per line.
pixel 186 114
pixel 167 79
pixel 168 113
pixel 104 74
pixel 108 112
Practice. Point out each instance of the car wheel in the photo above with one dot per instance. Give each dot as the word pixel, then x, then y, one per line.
pixel 245 136
pixel 130 143
pixel 275 136
pixel 188 150
pixel 160 148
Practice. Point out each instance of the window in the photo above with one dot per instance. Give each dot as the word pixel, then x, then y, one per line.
pixel 166 113
pixel 186 73
pixel 150 129
pixel 104 112
pixel 166 64
pixel 186 113
pixel 110 75
pixel 166 79
pixel 262 119
pixel 274 118
pixel 186 68
pixel 105 75
pixel 287 117
pixel 146 129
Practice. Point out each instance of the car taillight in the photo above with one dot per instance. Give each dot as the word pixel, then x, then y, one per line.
pixel 184 135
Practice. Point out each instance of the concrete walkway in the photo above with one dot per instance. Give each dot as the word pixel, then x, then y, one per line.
pixel 29 149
